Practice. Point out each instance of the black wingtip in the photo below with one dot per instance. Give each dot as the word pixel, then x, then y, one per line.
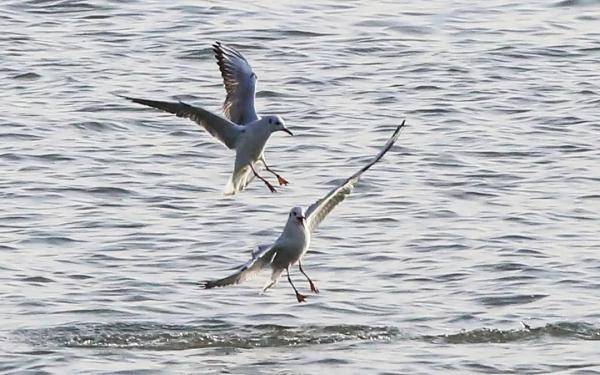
pixel 132 99
pixel 219 48
pixel 123 97
pixel 145 102
pixel 394 136
pixel 184 104
pixel 397 131
pixel 401 126
pixel 206 284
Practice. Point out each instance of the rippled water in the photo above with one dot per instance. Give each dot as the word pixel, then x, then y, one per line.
pixel 486 214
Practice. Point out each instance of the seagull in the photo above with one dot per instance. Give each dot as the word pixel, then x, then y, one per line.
pixel 295 239
pixel 242 129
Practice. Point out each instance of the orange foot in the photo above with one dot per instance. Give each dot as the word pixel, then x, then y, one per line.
pixel 301 297
pixel 282 181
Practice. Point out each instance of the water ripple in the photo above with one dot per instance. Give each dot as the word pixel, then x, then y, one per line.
pixel 484 213
pixel 152 336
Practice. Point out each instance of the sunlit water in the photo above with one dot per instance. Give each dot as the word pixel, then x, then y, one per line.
pixel 484 215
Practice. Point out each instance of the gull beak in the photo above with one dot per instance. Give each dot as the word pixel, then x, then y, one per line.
pixel 302 220
pixel 287 131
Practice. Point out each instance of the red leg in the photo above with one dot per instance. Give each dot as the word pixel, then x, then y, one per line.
pixel 263 180
pixel 313 288
pixel 282 181
pixel 300 297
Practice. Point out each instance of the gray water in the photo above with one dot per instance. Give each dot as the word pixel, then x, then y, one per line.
pixel 484 215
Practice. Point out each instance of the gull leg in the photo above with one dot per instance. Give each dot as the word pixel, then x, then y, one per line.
pixel 263 179
pixel 281 180
pixel 300 297
pixel 313 288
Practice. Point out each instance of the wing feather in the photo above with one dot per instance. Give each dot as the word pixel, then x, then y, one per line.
pixel 224 130
pixel 240 84
pixel 261 258
pixel 320 209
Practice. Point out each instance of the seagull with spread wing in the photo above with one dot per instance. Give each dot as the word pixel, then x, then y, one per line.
pixel 293 242
pixel 242 130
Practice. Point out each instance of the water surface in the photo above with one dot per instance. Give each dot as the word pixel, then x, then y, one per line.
pixel 484 215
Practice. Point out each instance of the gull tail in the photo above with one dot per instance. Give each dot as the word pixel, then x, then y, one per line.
pixel 238 181
pixel 274 279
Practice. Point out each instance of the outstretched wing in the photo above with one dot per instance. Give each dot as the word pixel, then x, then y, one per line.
pixel 240 84
pixel 261 258
pixel 224 130
pixel 319 210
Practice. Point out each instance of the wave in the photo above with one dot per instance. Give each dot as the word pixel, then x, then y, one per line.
pixel 152 336
pixel 155 336
pixel 566 330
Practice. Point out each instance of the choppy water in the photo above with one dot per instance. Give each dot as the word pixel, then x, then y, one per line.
pixel 485 215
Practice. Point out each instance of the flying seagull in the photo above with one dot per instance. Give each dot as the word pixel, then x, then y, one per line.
pixel 293 242
pixel 242 130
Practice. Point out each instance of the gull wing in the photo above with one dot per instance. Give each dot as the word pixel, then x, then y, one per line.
pixel 224 130
pixel 321 208
pixel 240 84
pixel 261 258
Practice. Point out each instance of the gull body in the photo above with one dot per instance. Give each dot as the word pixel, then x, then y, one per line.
pixel 249 151
pixel 242 129
pixel 291 246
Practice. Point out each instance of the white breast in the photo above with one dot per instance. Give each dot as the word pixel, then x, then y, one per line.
pixel 292 244
pixel 253 141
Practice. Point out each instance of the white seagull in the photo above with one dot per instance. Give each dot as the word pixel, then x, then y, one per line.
pixel 242 130
pixel 293 242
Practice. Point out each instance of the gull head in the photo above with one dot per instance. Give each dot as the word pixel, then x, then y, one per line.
pixel 277 124
pixel 297 216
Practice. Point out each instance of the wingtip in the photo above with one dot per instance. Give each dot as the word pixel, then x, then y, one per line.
pixel 219 49
pixel 206 284
pixel 397 131
pixel 131 99
pixel 401 125
pixel 392 140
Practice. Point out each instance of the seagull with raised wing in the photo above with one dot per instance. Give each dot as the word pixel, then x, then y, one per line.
pixel 293 242
pixel 242 130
